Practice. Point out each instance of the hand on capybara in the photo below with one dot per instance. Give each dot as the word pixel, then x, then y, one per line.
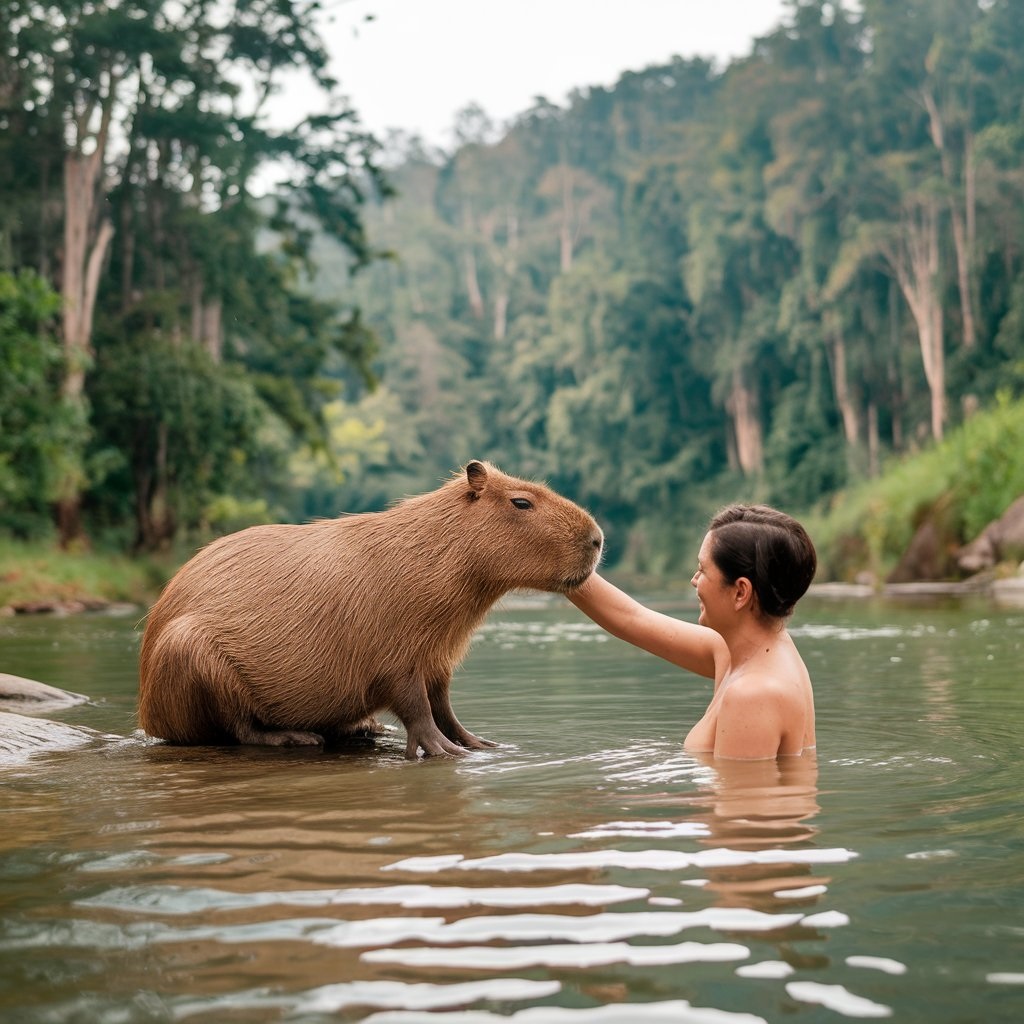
pixel 287 635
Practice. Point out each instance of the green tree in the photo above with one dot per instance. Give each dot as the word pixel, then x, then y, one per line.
pixel 164 79
pixel 32 429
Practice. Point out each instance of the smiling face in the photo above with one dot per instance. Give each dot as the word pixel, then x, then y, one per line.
pixel 717 597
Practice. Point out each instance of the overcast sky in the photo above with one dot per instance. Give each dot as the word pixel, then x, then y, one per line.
pixel 415 63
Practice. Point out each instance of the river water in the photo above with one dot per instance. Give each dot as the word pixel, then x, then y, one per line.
pixel 587 870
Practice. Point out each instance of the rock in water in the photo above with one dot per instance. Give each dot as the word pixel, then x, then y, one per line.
pixel 21 737
pixel 26 696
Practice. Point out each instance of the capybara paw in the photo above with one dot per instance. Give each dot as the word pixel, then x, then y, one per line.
pixel 474 742
pixel 433 745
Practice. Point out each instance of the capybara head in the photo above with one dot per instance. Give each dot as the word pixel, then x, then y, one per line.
pixel 524 534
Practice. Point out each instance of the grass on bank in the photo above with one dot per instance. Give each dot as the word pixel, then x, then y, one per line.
pixel 965 482
pixel 37 572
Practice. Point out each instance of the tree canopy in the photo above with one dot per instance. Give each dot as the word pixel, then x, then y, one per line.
pixel 702 284
pixel 750 282
pixel 133 137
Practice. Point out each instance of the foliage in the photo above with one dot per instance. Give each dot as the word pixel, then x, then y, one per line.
pixel 977 472
pixel 178 431
pixel 32 429
pixel 768 281
pixel 132 139
pixel 700 286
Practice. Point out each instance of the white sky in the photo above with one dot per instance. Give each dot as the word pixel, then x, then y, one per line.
pixel 418 62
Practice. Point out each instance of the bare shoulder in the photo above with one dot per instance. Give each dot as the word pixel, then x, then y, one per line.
pixel 758 693
pixel 761 715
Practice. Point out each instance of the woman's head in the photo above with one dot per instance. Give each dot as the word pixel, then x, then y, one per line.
pixel 767 547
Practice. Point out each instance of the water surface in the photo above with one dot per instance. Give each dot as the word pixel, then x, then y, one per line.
pixel 586 870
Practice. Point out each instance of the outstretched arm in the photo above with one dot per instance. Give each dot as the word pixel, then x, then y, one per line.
pixel 695 648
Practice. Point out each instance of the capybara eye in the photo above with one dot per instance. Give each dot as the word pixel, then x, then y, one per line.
pixel 522 502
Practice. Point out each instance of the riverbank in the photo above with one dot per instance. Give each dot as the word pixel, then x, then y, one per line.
pixel 39 577
pixel 1005 591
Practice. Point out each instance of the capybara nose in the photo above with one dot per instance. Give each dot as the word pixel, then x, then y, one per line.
pixel 597 539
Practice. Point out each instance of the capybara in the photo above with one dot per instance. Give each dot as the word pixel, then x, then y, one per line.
pixel 290 635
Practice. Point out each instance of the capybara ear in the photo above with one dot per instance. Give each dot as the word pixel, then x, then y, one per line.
pixel 476 474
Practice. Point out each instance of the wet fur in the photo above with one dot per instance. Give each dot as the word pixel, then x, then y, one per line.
pixel 291 634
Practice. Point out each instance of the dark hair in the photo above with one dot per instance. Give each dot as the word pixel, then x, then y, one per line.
pixel 770 549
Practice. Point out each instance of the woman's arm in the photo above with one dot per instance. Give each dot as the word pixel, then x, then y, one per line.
pixel 695 648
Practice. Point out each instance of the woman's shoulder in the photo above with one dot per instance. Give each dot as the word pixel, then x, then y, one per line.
pixel 765 686
pixel 762 714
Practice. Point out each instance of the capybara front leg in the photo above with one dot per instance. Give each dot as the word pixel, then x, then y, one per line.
pixel 444 716
pixel 413 711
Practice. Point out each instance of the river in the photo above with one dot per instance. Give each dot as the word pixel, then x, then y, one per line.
pixel 586 870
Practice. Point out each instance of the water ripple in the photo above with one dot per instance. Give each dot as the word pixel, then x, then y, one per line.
pixel 172 899
pixel 651 860
pixel 836 997
pixel 676 1011
pixel 597 954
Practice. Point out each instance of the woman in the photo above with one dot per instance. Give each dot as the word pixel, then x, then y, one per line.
pixel 754 565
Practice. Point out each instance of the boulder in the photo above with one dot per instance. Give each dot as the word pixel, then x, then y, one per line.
pixel 26 696
pixel 1000 541
pixel 928 556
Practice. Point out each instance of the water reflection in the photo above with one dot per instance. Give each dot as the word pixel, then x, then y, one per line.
pixel 752 806
pixel 762 805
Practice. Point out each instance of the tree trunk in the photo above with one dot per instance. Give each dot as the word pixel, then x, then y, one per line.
pixel 841 383
pixel 213 329
pixel 959 215
pixel 915 262
pixel 501 314
pixel 507 264
pixel 87 237
pixel 154 520
pixel 963 276
pixel 85 250
pixel 476 299
pixel 88 232
pixel 893 374
pixel 742 406
pixel 873 442
pixel 565 229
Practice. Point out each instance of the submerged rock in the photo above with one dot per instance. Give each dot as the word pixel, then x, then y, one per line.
pixel 21 737
pixel 27 696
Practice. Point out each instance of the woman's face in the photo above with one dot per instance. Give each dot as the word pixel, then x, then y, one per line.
pixel 713 593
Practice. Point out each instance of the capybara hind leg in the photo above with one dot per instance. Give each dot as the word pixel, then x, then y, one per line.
pixel 190 692
pixel 250 733
pixel 413 711
pixel 363 731
pixel 444 716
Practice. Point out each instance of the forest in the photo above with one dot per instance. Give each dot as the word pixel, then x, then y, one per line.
pixel 764 282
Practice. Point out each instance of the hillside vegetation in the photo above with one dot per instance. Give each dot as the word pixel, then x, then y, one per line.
pixel 794 279
pixel 965 482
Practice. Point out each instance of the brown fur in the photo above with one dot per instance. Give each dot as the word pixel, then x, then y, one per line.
pixel 289 634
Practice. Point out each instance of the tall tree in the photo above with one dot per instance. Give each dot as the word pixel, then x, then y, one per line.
pixel 161 80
